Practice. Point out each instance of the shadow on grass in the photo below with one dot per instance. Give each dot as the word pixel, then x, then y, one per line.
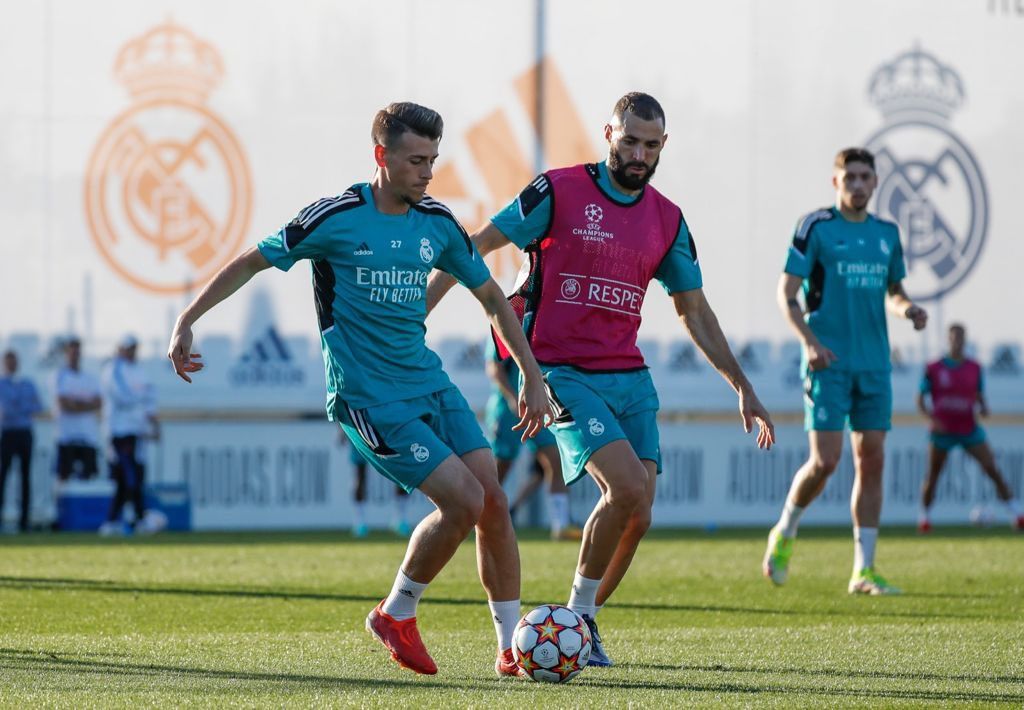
pixel 108 586
pixel 772 689
pixel 830 673
pixel 42 662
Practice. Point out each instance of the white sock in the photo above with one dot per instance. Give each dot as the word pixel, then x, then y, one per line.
pixel 559 511
pixel 598 608
pixel 583 599
pixel 359 516
pixel 1013 505
pixel 790 519
pixel 864 540
pixel 405 595
pixel 923 515
pixel 505 616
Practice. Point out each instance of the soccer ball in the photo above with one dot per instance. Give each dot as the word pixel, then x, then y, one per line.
pixel 552 644
pixel 982 516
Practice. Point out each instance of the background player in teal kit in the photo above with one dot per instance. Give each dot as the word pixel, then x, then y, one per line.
pixel 849 265
pixel 500 417
pixel 371 249
pixel 360 492
pixel 603 234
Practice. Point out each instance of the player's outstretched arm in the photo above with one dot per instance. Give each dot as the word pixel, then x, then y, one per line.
pixel 818 356
pixel 901 306
pixel 534 409
pixel 486 240
pixel 228 280
pixel 701 323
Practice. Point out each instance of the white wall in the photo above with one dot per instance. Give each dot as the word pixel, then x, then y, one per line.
pixel 759 97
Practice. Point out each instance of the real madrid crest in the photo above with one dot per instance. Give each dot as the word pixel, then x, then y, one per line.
pixel 167 189
pixel 929 182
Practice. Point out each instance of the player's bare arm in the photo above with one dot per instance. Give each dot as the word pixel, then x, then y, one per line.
pixel 534 410
pixel 497 375
pixel 487 239
pixel 900 305
pixel 982 405
pixel 701 323
pixel 228 280
pixel 818 356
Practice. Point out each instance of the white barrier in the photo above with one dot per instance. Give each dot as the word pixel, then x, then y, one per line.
pixel 282 475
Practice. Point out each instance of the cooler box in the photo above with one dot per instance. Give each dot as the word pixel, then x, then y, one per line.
pixel 83 505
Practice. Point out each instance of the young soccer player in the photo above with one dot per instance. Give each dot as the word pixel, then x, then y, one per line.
pixel 849 264
pixel 371 249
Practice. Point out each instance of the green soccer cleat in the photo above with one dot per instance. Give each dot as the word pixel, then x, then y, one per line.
pixel 776 558
pixel 868 581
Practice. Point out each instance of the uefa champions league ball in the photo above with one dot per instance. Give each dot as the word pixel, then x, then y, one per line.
pixel 552 644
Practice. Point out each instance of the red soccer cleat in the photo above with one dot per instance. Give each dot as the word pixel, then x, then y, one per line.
pixel 1018 524
pixel 924 527
pixel 402 639
pixel 505 665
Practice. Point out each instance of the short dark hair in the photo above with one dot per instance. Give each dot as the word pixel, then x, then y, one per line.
pixel 10 353
pixel 854 155
pixel 958 326
pixel 403 117
pixel 643 106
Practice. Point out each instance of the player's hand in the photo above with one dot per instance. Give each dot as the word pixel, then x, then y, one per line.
pixel 534 409
pixel 918 316
pixel 751 410
pixel 181 355
pixel 818 356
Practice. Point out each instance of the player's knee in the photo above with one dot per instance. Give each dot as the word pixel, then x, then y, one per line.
pixel 495 502
pixel 626 494
pixel 825 463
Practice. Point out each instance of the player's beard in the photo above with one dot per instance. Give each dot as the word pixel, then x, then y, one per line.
pixel 630 182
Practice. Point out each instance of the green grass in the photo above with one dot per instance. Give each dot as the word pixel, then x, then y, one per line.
pixel 277 619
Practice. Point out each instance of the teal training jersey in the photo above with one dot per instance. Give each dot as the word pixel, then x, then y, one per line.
pixel 679 271
pixel 369 283
pixel 847 268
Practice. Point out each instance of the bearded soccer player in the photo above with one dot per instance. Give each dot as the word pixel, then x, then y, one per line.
pixel 849 265
pixel 596 236
pixel 954 385
pixel 371 249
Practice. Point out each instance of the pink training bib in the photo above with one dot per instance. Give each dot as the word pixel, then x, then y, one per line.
pixel 581 301
pixel 954 393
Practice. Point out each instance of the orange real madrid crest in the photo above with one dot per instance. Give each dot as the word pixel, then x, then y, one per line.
pixel 167 189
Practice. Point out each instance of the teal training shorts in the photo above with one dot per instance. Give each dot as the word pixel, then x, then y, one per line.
pixel 948 442
pixel 408 439
pixel 833 397
pixel 505 443
pixel 596 408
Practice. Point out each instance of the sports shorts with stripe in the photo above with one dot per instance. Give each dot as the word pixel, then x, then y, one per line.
pixel 593 409
pixel 406 440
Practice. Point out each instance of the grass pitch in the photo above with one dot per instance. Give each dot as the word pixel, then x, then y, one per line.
pixel 277 619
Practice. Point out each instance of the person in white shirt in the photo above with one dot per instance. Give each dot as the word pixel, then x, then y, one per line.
pixel 130 417
pixel 78 406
